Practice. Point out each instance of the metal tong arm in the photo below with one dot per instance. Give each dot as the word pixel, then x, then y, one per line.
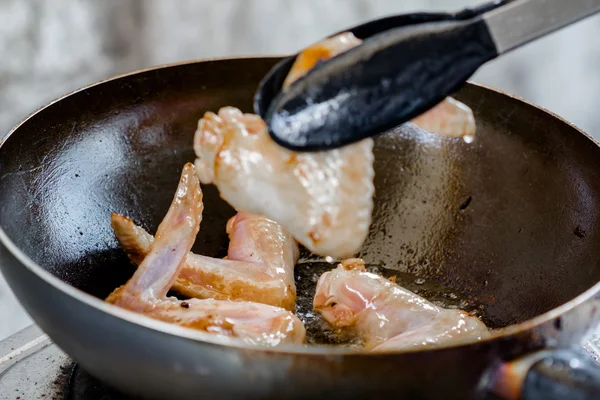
pixel 375 27
pixel 512 23
pixel 522 21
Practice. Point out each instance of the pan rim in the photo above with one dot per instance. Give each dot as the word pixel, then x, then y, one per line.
pixel 208 339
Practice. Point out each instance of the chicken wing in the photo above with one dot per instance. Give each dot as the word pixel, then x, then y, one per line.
pixel 386 316
pixel 259 265
pixel 323 199
pixel 146 291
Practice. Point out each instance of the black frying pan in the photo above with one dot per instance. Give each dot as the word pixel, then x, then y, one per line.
pixel 509 222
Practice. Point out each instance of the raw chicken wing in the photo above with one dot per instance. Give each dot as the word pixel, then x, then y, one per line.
pixel 146 291
pixel 323 199
pixel 259 265
pixel 386 316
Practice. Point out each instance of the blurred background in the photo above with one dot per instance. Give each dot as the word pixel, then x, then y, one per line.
pixel 52 47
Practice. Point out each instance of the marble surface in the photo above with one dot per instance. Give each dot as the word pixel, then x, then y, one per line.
pixel 51 48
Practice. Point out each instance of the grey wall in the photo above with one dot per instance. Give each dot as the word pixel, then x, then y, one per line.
pixel 50 47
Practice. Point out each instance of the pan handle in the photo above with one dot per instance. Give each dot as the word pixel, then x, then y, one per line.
pixel 549 375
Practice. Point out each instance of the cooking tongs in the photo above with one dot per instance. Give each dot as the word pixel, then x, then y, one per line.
pixel 405 65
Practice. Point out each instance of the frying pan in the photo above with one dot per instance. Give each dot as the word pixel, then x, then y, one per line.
pixel 509 222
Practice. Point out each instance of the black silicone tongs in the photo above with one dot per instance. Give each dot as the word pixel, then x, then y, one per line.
pixel 406 65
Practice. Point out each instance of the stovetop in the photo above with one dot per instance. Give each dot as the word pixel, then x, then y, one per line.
pixel 32 367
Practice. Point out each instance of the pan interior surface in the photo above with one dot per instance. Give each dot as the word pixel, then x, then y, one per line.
pixel 506 223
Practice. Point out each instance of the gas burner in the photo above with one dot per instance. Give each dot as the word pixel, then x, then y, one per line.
pixel 33 368
pixel 82 386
